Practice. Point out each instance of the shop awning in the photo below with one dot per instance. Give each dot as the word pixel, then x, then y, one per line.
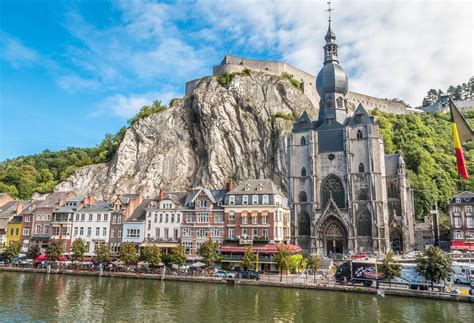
pixel 462 245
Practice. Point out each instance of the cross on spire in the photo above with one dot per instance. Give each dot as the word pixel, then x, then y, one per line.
pixel 329 10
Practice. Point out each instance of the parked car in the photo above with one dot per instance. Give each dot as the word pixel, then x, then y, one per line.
pixel 249 274
pixel 221 273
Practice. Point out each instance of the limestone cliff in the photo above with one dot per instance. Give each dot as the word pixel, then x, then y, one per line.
pixel 217 133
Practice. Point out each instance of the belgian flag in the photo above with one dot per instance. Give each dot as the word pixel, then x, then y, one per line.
pixel 462 132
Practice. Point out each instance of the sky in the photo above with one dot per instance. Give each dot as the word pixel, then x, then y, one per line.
pixel 72 71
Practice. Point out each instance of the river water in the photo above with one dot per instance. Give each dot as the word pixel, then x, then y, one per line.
pixel 40 297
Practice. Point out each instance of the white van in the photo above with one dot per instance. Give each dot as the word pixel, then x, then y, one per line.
pixel 463 273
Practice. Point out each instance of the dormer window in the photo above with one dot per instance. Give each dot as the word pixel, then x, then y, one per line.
pixel 247 187
pixel 245 199
pixel 231 199
pixel 255 199
pixel 259 187
pixel 458 200
pixel 359 118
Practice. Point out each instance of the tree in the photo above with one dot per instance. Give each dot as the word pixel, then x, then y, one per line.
pixel 54 250
pixel 102 253
pixel 128 253
pixel 33 252
pixel 434 265
pixel 79 248
pixel 297 263
pixel 13 250
pixel 178 256
pixel 282 259
pixel 249 259
pixel 390 268
pixel 209 251
pixel 152 255
pixel 313 263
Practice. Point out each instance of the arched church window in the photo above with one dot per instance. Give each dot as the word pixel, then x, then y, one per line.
pixel 303 197
pixel 304 224
pixel 393 190
pixel 330 102
pixel 361 168
pixel 359 134
pixel 303 171
pixel 332 188
pixel 364 226
pixel 303 141
pixel 339 102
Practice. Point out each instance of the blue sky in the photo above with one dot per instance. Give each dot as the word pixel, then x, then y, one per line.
pixel 71 71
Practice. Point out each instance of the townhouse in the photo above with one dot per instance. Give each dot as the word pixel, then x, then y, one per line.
pixel 461 216
pixel 123 207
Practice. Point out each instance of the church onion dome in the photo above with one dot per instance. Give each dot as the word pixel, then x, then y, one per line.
pixel 331 78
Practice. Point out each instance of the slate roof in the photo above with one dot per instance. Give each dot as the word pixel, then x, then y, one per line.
pixel 139 214
pixel 268 187
pixel 98 207
pixel 9 209
pixel 392 162
pixel 466 198
pixel 366 118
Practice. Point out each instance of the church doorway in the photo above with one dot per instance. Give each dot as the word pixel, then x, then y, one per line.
pixel 335 238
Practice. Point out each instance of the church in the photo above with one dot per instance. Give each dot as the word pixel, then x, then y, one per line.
pixel 346 195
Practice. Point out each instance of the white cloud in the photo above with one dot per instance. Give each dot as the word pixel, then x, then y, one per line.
pixel 126 106
pixel 389 48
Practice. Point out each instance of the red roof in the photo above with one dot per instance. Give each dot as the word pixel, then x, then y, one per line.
pixel 462 245
pixel 269 248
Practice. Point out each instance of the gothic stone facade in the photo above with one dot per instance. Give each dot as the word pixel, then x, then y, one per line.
pixel 346 195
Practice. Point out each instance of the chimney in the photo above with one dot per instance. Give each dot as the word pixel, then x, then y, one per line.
pixel 162 194
pixel 230 185
pixel 19 208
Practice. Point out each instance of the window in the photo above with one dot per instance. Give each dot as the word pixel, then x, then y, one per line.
pixel 11 231
pixel 81 231
pixel 469 222
pixel 264 219
pixel 361 168
pixel 112 233
pixel 303 172
pixel 458 235
pixel 172 218
pixel 106 217
pixel 189 218
pixel 90 217
pixel 119 219
pixel 149 225
pixel 215 232
pixel 304 224
pixel 245 232
pixel 157 233
pixel 231 216
pixel 132 233
pixel 363 223
pixel 330 120
pixel 203 203
pixel 219 218
pixel 104 232
pixel 339 102
pixel 166 218
pixel 187 232
pixel 83 217
pixel 231 233
pixel 156 217
pixel 244 219
pixel 175 234
pixel 303 197
pixel 97 232
pixel 89 231
pixel 178 218
pixel 203 218
pixel 27 218
pixel 188 247
pixel 359 119
pixel 231 199
pixel 458 200
pixel 167 231
pixel 201 232
pixel 161 218
pixel 26 231
pixel 254 199
pixel 255 232
pixel 46 229
pixel 457 221
pixel 303 141
pixel 332 188
pixel 265 233
pixel 254 220
pixel 245 199
pixel 468 209
pixel 265 199
pixel 359 134
pixel 120 233
pixel 99 217
pixel 77 216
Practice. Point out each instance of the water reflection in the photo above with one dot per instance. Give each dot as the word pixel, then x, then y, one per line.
pixel 74 298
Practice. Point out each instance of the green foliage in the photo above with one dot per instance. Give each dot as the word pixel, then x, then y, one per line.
pixel 102 252
pixel 434 264
pixel 425 142
pixel 178 256
pixel 147 110
pixel 464 91
pixel 297 263
pixel 128 253
pixel 282 259
pixel 249 259
pixel 390 268
pixel 13 250
pixel 209 251
pixel 79 248
pixel 167 260
pixel 313 263
pixel 54 250
pixel 33 252
pixel 227 77
pixel 293 81
pixel 152 255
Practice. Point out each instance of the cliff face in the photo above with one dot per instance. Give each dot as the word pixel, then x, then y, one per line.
pixel 216 134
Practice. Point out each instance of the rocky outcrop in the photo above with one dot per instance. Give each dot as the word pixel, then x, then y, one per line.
pixel 217 133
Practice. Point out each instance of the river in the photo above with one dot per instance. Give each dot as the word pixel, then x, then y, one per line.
pixel 40 297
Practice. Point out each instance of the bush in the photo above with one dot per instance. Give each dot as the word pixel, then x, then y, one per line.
pixel 293 81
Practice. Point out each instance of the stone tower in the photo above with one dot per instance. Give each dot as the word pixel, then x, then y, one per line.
pixel 337 176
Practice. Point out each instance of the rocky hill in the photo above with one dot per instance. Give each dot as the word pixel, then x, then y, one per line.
pixel 228 128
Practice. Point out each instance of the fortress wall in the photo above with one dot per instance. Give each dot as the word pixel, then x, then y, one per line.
pixel 234 64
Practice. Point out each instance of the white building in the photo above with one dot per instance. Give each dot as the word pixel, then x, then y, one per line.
pixel 92 223
pixel 164 218
pixel 134 227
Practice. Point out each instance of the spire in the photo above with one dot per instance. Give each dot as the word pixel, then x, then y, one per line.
pixel 330 49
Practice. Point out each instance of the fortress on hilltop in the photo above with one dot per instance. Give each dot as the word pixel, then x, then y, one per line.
pixel 233 64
